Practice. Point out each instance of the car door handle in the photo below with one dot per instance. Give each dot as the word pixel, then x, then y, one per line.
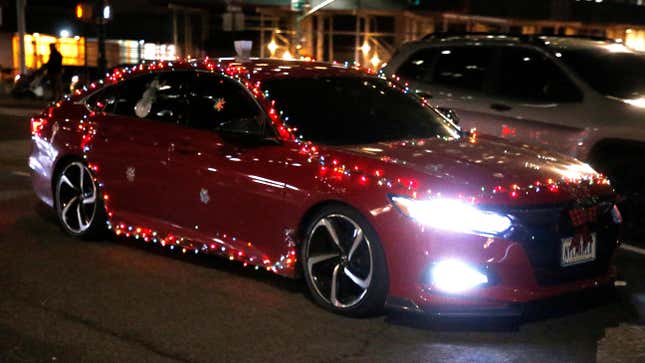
pixel 500 107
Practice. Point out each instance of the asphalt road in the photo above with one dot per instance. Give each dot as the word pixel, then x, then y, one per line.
pixel 63 299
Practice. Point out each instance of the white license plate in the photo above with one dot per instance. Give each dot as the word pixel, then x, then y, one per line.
pixel 581 253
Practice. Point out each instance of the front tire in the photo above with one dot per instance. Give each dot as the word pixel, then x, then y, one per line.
pixel 344 263
pixel 76 199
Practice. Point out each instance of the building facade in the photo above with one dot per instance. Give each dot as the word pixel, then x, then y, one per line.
pixel 355 31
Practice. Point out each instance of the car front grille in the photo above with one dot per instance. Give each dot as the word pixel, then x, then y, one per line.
pixel 540 231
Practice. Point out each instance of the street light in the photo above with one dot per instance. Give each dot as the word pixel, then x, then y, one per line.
pixel 64 33
pixel 287 55
pixel 365 48
pixel 375 61
pixel 273 46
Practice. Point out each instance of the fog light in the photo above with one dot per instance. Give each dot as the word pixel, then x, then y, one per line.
pixel 455 276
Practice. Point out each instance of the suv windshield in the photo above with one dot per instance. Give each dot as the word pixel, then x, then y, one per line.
pixel 354 110
pixel 619 74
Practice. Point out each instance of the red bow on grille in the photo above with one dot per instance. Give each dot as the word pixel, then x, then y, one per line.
pixel 581 218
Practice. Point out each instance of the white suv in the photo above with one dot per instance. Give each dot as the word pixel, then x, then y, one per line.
pixel 581 97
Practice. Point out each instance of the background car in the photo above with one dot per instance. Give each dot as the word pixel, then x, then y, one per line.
pixel 582 97
pixel 305 168
pixel 35 84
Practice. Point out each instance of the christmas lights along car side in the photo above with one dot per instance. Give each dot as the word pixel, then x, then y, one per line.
pixel 322 171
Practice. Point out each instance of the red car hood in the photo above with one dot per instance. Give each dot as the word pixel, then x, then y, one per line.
pixel 482 164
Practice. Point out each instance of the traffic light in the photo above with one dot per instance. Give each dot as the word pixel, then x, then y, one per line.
pixel 107 12
pixel 83 12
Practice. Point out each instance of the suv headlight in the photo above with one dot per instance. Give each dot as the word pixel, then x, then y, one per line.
pixel 453 215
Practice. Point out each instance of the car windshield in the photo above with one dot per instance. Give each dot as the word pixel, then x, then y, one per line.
pixel 354 110
pixel 617 74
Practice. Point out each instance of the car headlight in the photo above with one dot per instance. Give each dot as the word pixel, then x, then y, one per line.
pixel 453 215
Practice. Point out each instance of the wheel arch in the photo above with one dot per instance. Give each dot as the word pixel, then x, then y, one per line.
pixel 96 229
pixel 372 303
pixel 311 212
pixel 315 208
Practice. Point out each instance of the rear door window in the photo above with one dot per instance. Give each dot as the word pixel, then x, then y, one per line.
pixel 418 66
pixel 129 93
pixel 527 75
pixel 462 67
pixel 158 97
pixel 216 101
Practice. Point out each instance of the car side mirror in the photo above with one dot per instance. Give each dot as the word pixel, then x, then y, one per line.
pixel 449 113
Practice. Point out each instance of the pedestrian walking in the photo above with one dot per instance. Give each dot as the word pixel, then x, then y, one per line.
pixel 54 69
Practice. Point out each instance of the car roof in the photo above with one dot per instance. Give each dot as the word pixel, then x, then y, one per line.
pixel 259 69
pixel 253 69
pixel 551 42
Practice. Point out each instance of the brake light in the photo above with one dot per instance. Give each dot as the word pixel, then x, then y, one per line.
pixel 37 125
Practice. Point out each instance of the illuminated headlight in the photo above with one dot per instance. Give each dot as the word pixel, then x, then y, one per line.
pixel 453 215
pixel 455 276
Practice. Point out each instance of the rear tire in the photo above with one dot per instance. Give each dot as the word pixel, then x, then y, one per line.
pixel 76 200
pixel 343 262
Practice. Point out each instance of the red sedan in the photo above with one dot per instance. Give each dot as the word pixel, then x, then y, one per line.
pixel 316 170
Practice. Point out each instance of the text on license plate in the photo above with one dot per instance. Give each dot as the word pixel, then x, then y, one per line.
pixel 577 250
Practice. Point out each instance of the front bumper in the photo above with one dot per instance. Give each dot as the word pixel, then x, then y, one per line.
pixel 552 304
pixel 522 267
pixel 454 310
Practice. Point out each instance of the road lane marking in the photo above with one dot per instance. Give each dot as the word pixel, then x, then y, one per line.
pixel 634 249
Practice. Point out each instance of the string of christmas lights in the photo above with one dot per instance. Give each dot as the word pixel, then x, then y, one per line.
pixel 331 167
